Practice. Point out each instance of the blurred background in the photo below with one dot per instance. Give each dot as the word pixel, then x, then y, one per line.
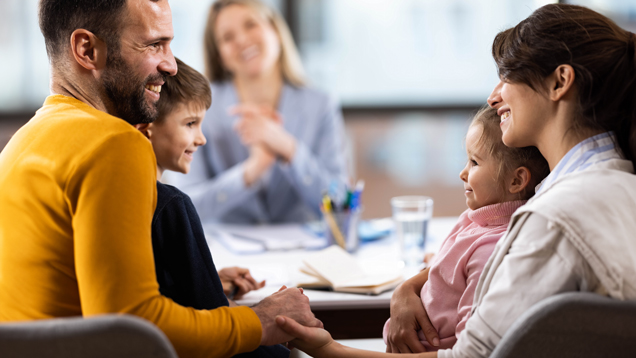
pixel 408 73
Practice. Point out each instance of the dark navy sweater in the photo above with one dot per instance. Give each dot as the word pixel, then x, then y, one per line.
pixel 184 266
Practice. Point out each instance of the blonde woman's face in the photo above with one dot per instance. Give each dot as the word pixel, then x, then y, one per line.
pixel 248 43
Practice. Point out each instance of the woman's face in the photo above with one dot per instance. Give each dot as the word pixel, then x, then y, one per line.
pixel 523 112
pixel 248 43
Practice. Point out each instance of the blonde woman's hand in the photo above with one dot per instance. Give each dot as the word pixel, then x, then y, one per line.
pixel 263 126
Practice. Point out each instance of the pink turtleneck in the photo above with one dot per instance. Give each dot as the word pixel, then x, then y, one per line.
pixel 455 270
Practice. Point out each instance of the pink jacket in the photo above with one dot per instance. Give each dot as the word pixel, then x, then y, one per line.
pixel 448 294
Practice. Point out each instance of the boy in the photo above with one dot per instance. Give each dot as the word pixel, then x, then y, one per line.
pixel 183 263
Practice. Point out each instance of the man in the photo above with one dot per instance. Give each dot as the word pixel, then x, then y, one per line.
pixel 78 187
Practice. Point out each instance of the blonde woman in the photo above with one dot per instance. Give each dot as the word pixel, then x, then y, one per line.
pixel 274 144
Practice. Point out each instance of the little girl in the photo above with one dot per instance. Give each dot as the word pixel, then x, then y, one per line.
pixel 497 181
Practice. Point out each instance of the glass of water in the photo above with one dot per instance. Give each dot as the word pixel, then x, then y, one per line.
pixel 411 215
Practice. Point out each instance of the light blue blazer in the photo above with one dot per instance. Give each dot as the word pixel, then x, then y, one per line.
pixel 288 192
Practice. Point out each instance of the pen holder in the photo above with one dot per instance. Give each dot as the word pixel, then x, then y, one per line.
pixel 346 222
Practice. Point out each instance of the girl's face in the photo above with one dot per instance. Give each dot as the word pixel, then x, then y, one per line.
pixel 480 173
pixel 523 112
pixel 248 43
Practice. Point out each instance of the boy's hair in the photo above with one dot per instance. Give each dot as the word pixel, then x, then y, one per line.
pixel 509 159
pixel 187 87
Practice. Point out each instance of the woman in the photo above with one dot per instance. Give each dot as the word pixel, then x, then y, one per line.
pixel 274 145
pixel 568 87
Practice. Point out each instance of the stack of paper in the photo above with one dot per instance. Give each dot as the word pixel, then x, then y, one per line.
pixel 335 268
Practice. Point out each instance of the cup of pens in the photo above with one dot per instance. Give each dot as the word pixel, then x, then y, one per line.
pixel 341 217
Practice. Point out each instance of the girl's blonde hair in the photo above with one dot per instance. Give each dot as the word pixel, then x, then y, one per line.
pixel 509 159
pixel 291 67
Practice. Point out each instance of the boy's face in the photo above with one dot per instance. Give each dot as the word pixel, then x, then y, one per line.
pixel 176 138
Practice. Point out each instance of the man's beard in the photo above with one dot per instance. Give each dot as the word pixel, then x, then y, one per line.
pixel 126 92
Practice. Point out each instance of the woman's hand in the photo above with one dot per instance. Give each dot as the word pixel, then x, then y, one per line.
pixel 316 342
pixel 257 163
pixel 262 126
pixel 408 316
pixel 238 278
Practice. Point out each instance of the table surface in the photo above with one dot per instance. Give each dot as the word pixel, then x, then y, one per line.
pixel 282 268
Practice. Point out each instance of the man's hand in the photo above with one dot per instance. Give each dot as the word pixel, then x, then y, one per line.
pixel 289 302
pixel 408 316
pixel 238 277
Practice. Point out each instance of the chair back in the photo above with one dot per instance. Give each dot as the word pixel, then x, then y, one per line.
pixel 121 336
pixel 570 325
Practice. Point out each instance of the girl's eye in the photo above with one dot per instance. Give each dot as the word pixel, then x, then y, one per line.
pixel 473 162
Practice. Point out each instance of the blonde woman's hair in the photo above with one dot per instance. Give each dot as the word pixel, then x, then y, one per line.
pixel 508 159
pixel 290 65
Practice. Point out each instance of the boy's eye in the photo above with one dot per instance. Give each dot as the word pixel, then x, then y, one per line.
pixel 190 124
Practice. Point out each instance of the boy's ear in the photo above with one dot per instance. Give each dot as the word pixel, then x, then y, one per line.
pixel 144 128
pixel 520 180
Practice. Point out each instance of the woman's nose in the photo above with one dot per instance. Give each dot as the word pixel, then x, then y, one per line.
pixel 495 96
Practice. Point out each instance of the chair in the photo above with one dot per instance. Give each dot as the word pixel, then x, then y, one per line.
pixel 121 336
pixel 572 325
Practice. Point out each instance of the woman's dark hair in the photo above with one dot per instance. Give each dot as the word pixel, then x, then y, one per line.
pixel 59 18
pixel 600 52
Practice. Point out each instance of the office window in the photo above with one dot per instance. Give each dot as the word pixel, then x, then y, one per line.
pixel 405 52
pixel 25 64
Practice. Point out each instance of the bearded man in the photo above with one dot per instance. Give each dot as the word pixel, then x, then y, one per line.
pixel 77 187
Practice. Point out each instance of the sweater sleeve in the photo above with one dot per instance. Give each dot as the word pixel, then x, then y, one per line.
pixel 312 170
pixel 540 263
pixel 112 196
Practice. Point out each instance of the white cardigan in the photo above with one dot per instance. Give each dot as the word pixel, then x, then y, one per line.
pixel 577 235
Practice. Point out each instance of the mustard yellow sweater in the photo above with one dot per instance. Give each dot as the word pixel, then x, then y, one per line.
pixel 77 195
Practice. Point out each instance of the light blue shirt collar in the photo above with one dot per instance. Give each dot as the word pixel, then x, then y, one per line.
pixel 596 149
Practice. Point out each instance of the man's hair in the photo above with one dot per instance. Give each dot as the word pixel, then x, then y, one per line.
pixel 59 18
pixel 508 159
pixel 187 87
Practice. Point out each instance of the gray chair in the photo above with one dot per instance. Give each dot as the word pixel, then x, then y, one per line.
pixel 121 336
pixel 573 325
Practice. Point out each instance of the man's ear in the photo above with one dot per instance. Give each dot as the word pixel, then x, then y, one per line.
pixel 561 82
pixel 88 50
pixel 144 128
pixel 519 181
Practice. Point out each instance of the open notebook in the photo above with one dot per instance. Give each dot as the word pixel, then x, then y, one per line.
pixel 336 269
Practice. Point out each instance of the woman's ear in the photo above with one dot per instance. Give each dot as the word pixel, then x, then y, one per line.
pixel 561 82
pixel 519 181
pixel 144 128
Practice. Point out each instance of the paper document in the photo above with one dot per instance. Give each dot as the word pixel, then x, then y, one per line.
pixel 244 239
pixel 336 268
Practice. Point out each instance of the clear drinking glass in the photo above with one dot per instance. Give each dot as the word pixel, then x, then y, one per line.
pixel 411 215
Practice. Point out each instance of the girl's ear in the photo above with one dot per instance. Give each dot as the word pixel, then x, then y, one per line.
pixel 519 181
pixel 144 128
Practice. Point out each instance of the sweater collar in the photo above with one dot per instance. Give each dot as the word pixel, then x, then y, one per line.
pixel 495 214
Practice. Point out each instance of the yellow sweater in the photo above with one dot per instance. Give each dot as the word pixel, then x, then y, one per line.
pixel 77 195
